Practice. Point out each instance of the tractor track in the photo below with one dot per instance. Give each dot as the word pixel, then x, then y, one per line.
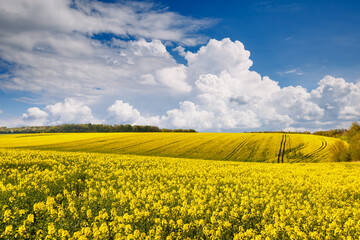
pixel 281 154
pixel 163 146
pixel 233 152
pixel 320 149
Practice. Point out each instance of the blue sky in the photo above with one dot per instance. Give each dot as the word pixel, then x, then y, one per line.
pixel 316 38
pixel 209 65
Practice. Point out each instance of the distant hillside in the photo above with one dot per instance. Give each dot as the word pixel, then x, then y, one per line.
pixel 248 147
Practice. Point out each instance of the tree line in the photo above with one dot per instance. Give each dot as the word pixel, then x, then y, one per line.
pixel 287 132
pixel 341 151
pixel 337 133
pixel 70 128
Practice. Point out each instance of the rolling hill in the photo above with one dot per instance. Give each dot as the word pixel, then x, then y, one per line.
pixel 248 147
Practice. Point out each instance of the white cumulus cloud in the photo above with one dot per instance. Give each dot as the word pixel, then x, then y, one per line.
pixel 174 78
pixel 188 115
pixel 339 98
pixel 228 95
pixel 34 113
pixel 70 111
pixel 34 116
pixel 123 113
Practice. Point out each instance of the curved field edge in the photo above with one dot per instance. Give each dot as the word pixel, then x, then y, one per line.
pixel 252 147
pixel 50 194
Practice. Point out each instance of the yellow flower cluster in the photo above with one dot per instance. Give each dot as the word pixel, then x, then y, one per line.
pixel 59 195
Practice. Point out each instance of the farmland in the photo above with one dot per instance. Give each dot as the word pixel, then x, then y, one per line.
pixel 255 147
pixel 62 195
pixel 173 186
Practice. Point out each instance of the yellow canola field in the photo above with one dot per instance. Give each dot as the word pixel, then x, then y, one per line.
pixel 62 195
pixel 248 147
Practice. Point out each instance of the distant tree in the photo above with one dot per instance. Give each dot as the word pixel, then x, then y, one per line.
pixel 353 130
pixel 128 128
pixel 340 152
pixel 354 148
pixel 136 128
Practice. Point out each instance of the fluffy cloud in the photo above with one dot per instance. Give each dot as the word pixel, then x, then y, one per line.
pixel 55 51
pixel 296 102
pixel 237 97
pixel 34 113
pixel 35 117
pixel 218 56
pixel 70 111
pixel 339 99
pixel 124 113
pixel 188 116
pixel 174 77
pixel 228 95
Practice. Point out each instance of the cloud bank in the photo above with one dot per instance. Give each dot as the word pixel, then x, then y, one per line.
pixel 83 48
pixel 228 96
pixel 116 61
